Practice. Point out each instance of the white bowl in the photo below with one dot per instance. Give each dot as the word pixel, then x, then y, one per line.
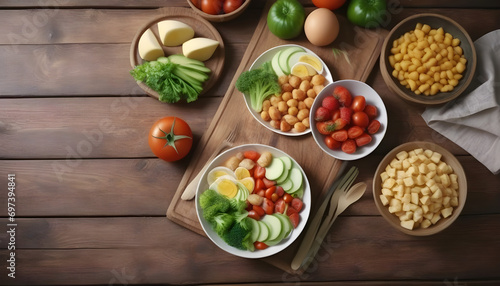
pixel 356 88
pixel 207 228
pixel 267 56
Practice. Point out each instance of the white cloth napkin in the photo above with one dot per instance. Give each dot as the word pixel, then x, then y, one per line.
pixel 472 120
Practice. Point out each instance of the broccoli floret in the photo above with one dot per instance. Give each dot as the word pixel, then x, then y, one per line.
pixel 258 84
pixel 239 235
pixel 237 206
pixel 207 198
pixel 212 204
pixel 222 223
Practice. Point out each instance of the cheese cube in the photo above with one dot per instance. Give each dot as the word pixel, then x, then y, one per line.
pixel 442 168
pixel 435 218
pixel 406 199
pixel 402 155
pixel 408 224
pixel 387 192
pixel 422 168
pixel 406 164
pixel 421 180
pixel 384 200
pixel 414 198
pixel 428 153
pixel 432 167
pixel 454 202
pixel 425 209
pixel 400 174
pixel 425 223
pixel 418 151
pixel 409 182
pixel 446 201
pixel 425 200
pixel 425 191
pixel 435 157
pixel 396 164
pixel 412 171
pixel 389 183
pixel 446 212
pixel 390 171
pixel 418 215
pixel 384 176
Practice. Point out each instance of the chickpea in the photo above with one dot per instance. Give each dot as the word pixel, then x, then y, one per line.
pixel 299 127
pixel 282 107
pixel 299 94
pixel 305 85
pixel 293 110
pixel 265 116
pixel 284 126
pixel 286 87
pixel 311 93
pixel 318 88
pixel 305 121
pixel 309 102
pixel 275 124
pixel 318 79
pixel 275 100
pixel 301 105
pixel 283 79
pixel 307 77
pixel 266 104
pixel 292 103
pixel 290 119
pixel 286 96
pixel 303 114
pixel 294 81
pixel 274 113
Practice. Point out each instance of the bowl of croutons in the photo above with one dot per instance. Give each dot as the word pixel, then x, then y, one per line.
pixel 428 59
pixel 420 188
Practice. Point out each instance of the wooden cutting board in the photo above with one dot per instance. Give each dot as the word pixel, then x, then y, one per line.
pixel 362 48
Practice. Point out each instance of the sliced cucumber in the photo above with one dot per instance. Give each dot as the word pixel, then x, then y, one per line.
pixel 275 169
pixel 164 60
pixel 285 229
pixel 197 75
pixel 287 185
pixel 283 177
pixel 182 60
pixel 296 177
pixel 255 230
pixel 274 225
pixel 264 231
pixel 285 55
pixel 287 161
pixel 276 64
pixel 293 59
pixel 300 192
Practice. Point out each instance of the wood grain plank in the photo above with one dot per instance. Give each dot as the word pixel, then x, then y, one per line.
pixel 138 247
pixel 103 127
pixel 41 26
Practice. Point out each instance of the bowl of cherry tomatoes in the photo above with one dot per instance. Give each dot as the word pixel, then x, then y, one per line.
pixel 348 119
pixel 219 10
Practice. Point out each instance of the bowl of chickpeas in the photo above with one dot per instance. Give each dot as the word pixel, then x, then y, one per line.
pixel 420 188
pixel 287 113
pixel 428 59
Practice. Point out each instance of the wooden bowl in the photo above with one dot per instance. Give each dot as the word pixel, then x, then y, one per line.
pixel 435 21
pixel 220 17
pixel 448 158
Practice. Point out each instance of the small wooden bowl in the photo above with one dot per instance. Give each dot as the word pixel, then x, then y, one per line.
pixel 435 21
pixel 220 17
pixel 448 158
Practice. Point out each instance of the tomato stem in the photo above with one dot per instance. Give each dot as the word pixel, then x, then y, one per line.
pixel 170 137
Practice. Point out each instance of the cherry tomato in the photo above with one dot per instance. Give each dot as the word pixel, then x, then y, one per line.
pixel 291 211
pixel 294 218
pixel 328 4
pixel 253 214
pixel 259 172
pixel 340 135
pixel 259 210
pixel 297 204
pixel 349 146
pixel 279 191
pixel 280 206
pixel 262 193
pixel 332 143
pixel 268 206
pixel 343 95
pixel 259 185
pixel 260 245
pixel 231 5
pixel 336 114
pixel 360 119
pixel 363 139
pixel 170 138
pixel 270 191
pixel 371 111
pixel 274 197
pixel 252 155
pixel 268 183
pixel 287 198
pixel 354 131
pixel 373 127
pixel 358 103
pixel 212 7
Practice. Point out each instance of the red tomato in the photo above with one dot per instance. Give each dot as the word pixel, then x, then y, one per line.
pixel 360 119
pixel 262 193
pixel 349 146
pixel 287 198
pixel 354 131
pixel 270 191
pixel 212 7
pixel 330 103
pixel 343 95
pixel 332 143
pixel 268 183
pixel 328 4
pixel 259 172
pixel 322 114
pixel 260 245
pixel 336 115
pixel 363 140
pixel 340 135
pixel 253 214
pixel 291 211
pixel 279 191
pixel 268 206
pixel 373 127
pixel 358 103
pixel 170 138
pixel 259 210
pixel 371 111
pixel 297 204
pixel 346 114
pixel 294 218
pixel 280 206
pixel 259 185
pixel 231 5
pixel 274 197
pixel 252 155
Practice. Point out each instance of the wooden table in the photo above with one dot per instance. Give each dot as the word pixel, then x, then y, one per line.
pixel 91 198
